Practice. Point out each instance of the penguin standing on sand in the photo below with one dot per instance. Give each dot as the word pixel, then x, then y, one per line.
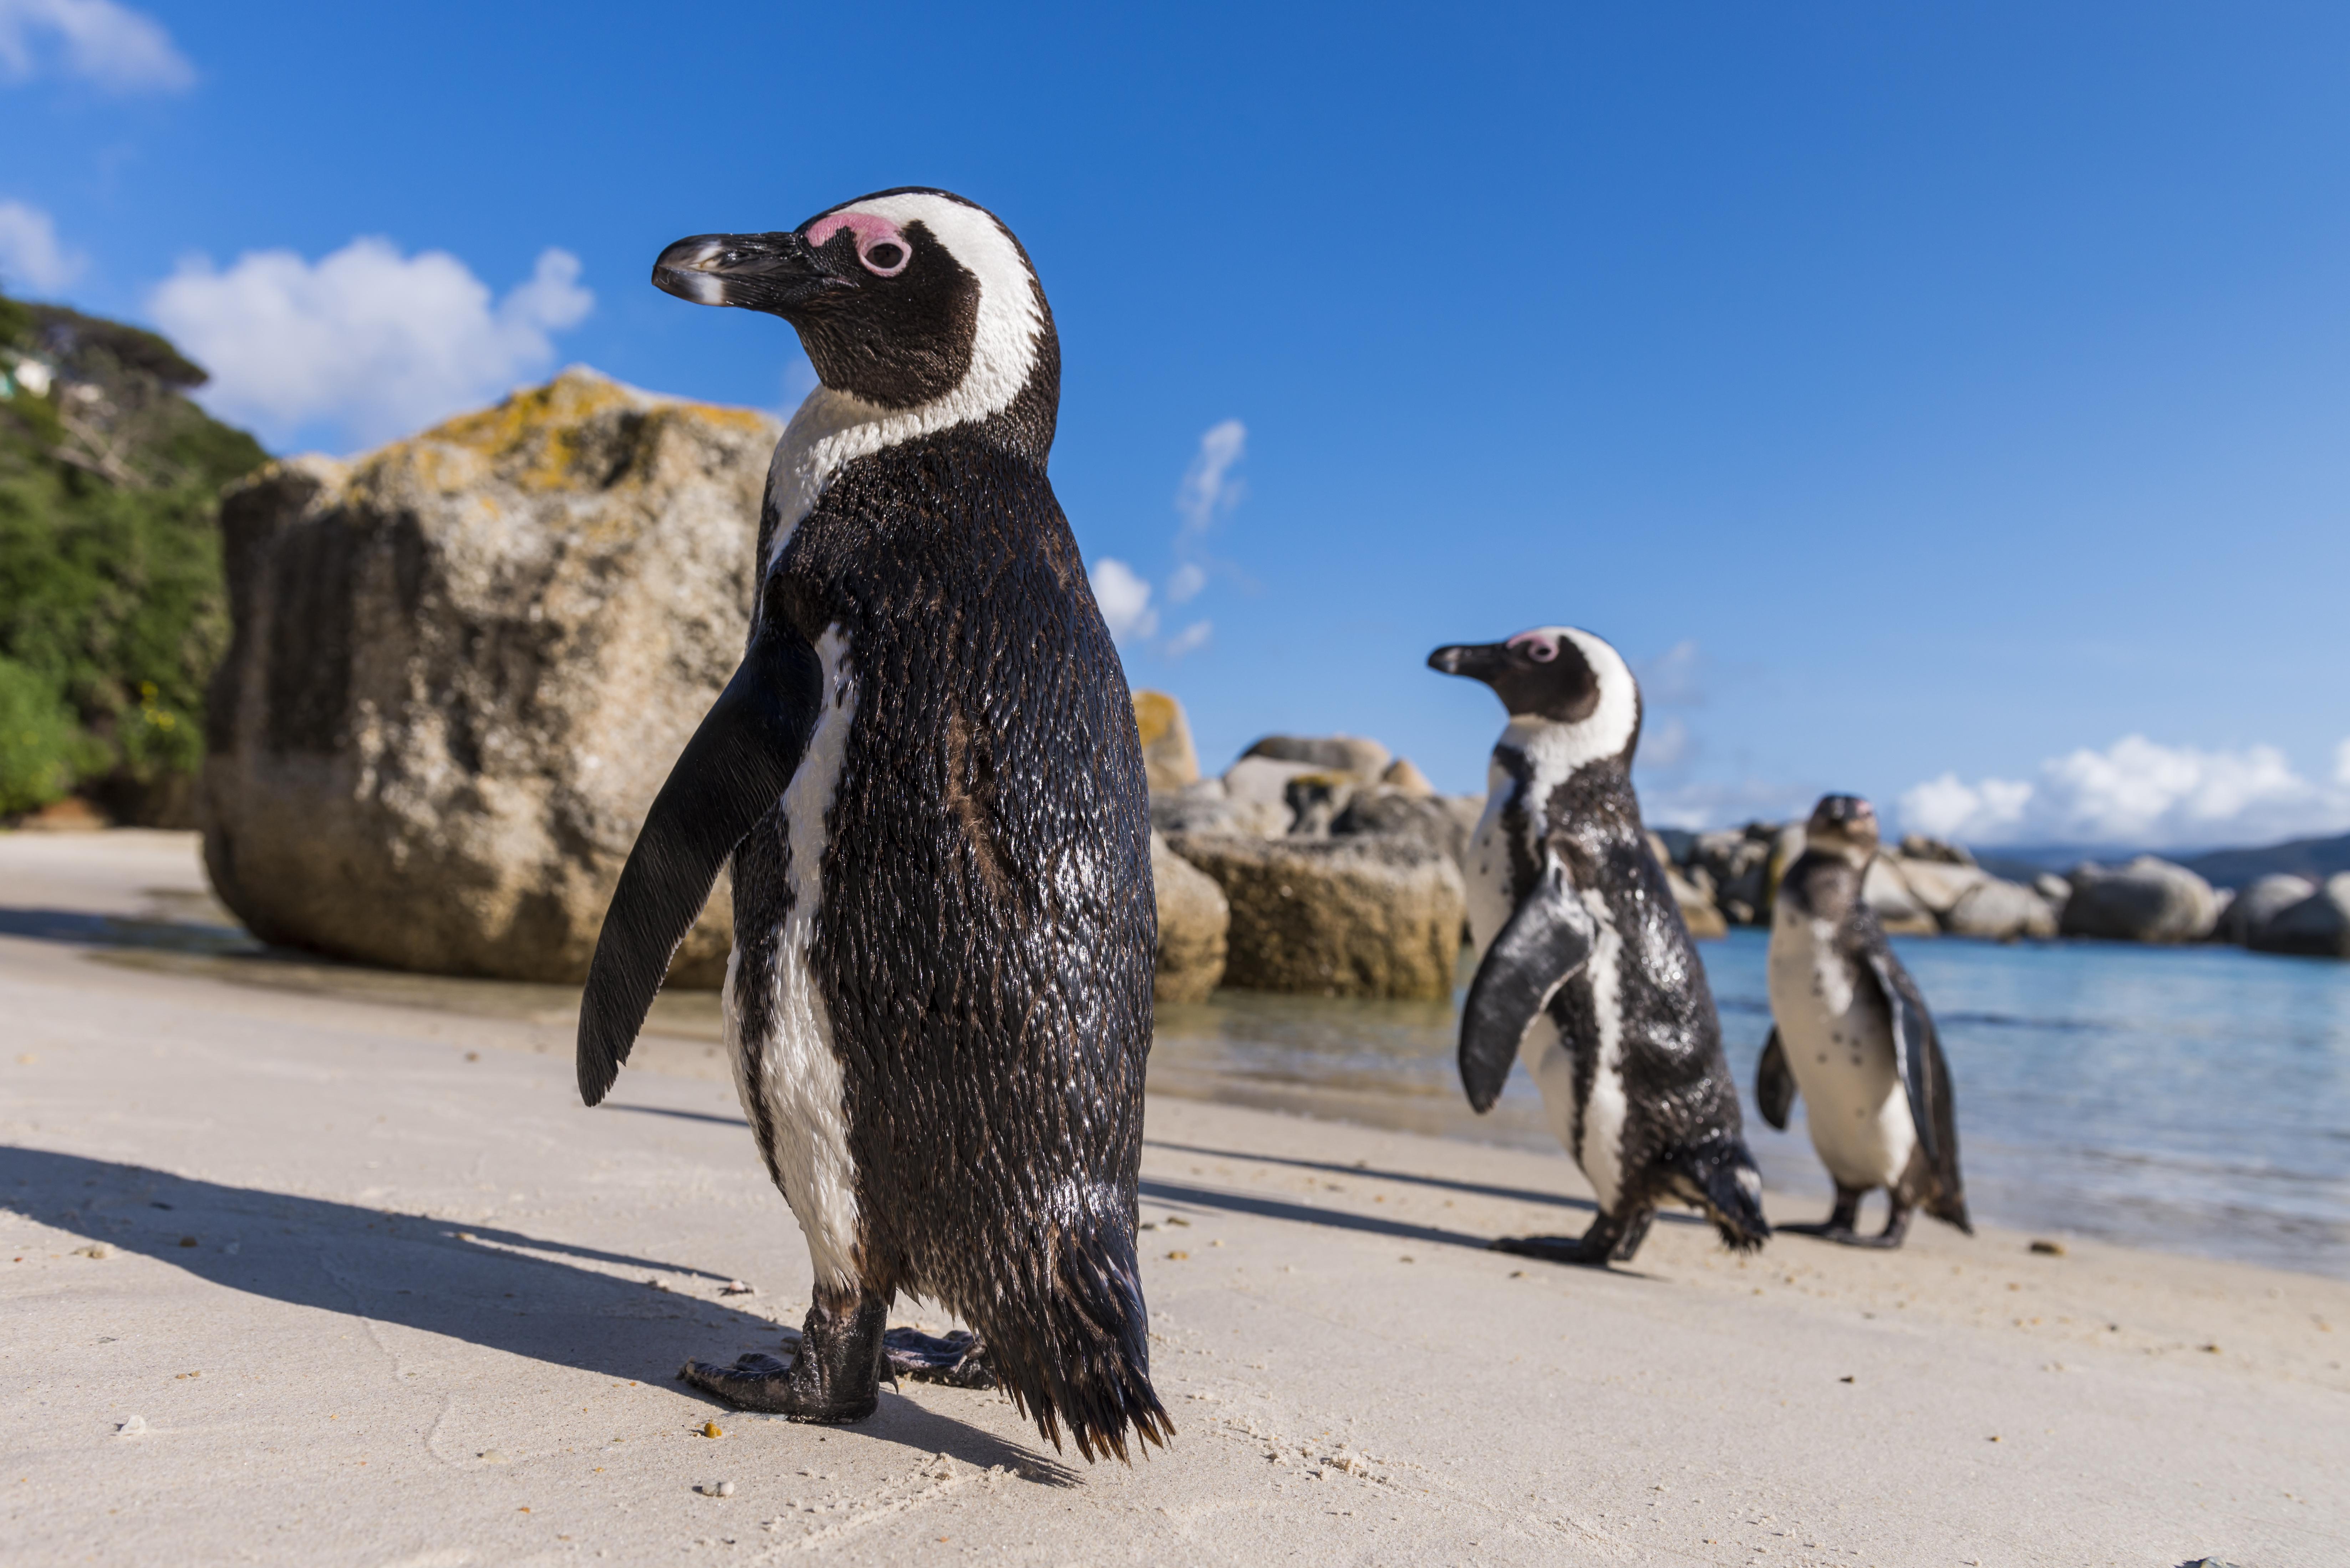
pixel 1585 971
pixel 927 777
pixel 1850 1032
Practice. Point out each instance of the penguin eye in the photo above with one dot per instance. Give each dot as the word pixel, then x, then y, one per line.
pixel 887 258
pixel 1542 652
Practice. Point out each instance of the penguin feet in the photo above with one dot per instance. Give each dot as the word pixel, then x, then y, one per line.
pixel 959 1359
pixel 1838 1226
pixel 833 1375
pixel 1609 1241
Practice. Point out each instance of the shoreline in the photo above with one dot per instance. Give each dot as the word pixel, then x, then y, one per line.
pixel 428 1306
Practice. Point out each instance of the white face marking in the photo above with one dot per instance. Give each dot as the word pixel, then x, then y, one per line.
pixel 833 429
pixel 800 1083
pixel 1561 748
pixel 1839 1048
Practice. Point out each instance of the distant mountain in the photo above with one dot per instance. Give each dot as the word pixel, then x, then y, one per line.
pixel 2315 858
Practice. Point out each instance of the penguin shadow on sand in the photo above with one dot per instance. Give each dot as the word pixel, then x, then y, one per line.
pixel 501 1289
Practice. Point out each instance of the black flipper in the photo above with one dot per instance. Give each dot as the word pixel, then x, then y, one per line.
pixel 730 775
pixel 1548 938
pixel 1774 1087
pixel 1926 1076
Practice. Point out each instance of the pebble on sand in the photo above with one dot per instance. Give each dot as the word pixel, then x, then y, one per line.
pixel 2049 1249
pixel 95 1249
pixel 711 1429
pixel 134 1428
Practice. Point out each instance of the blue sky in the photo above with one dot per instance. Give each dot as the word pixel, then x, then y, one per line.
pixel 1951 404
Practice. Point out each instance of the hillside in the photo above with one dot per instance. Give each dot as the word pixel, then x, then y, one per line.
pixel 111 607
pixel 2315 858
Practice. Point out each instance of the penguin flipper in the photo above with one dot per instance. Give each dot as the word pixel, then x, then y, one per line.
pixel 1774 1087
pixel 730 773
pixel 1925 1077
pixel 1548 938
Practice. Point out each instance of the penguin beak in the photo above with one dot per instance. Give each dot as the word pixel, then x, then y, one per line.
pixel 773 272
pixel 1477 660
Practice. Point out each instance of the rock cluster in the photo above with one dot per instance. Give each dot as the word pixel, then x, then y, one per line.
pixel 1337 862
pixel 1923 888
pixel 461 668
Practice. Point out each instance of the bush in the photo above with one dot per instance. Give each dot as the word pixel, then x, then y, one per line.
pixel 112 611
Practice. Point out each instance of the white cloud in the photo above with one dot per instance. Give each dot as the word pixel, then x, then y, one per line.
pixel 2138 793
pixel 1125 599
pixel 1700 804
pixel 366 339
pixel 1673 675
pixel 1189 639
pixel 1667 747
pixel 1185 585
pixel 30 255
pixel 1208 486
pixel 97 41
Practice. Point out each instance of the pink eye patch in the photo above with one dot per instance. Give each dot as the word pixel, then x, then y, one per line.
pixel 874 233
pixel 1534 645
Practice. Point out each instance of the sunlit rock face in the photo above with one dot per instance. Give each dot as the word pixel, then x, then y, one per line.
pixel 463 666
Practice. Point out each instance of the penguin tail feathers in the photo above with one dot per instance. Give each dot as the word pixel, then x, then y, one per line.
pixel 1082 1356
pixel 1951 1208
pixel 1725 1173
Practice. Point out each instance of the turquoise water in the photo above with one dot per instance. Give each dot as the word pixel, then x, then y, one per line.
pixel 2193 1099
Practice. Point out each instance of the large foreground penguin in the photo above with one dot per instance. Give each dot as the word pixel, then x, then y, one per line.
pixel 1850 1032
pixel 927 777
pixel 1586 969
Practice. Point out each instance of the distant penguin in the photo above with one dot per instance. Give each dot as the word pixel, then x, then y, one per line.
pixel 927 777
pixel 1585 971
pixel 1850 1032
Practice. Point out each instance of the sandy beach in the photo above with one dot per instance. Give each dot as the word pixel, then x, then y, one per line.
pixel 293 1276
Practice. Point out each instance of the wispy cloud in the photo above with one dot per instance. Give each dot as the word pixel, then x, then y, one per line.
pixel 97 41
pixel 30 255
pixel 1209 490
pixel 1123 595
pixel 2138 793
pixel 365 340
pixel 1674 677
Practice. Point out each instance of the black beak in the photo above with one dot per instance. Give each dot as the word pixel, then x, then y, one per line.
pixel 774 273
pixel 1477 660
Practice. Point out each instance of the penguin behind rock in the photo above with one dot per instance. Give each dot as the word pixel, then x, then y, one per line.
pixel 927 777
pixel 1585 971
pixel 1850 1033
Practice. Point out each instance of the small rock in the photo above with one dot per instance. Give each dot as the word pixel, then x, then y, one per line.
pixel 95 1249
pixel 2049 1249
pixel 189 1242
pixel 723 1488
pixel 737 1288
pixel 134 1428
pixel 494 1456
pixel 711 1429
pixel 1178 1256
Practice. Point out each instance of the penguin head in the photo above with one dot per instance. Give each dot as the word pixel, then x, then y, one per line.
pixel 906 300
pixel 1557 675
pixel 1845 826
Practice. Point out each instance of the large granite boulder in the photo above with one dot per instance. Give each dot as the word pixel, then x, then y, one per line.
pixel 1403 774
pixel 1365 916
pixel 1996 910
pixel 1168 759
pixel 1430 819
pixel 2148 900
pixel 1937 884
pixel 1193 922
pixel 1737 866
pixel 1205 808
pixel 1898 909
pixel 2253 907
pixel 1264 779
pixel 462 666
pixel 2317 926
pixel 1365 759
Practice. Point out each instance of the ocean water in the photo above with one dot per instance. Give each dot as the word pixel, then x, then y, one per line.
pixel 2195 1099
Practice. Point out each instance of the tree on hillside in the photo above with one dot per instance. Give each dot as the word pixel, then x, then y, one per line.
pixel 111 607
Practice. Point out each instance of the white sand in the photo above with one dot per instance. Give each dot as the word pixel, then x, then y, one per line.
pixel 410 1323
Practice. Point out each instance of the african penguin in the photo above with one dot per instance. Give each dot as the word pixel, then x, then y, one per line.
pixel 927 777
pixel 1851 1032
pixel 1585 971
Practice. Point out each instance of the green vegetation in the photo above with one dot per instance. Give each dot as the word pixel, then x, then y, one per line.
pixel 111 609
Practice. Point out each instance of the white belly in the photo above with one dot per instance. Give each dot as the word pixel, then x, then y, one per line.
pixel 1839 1046
pixel 1598 1144
pixel 794 1076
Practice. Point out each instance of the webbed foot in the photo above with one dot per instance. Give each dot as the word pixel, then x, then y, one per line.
pixel 833 1375
pixel 958 1360
pixel 1608 1241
